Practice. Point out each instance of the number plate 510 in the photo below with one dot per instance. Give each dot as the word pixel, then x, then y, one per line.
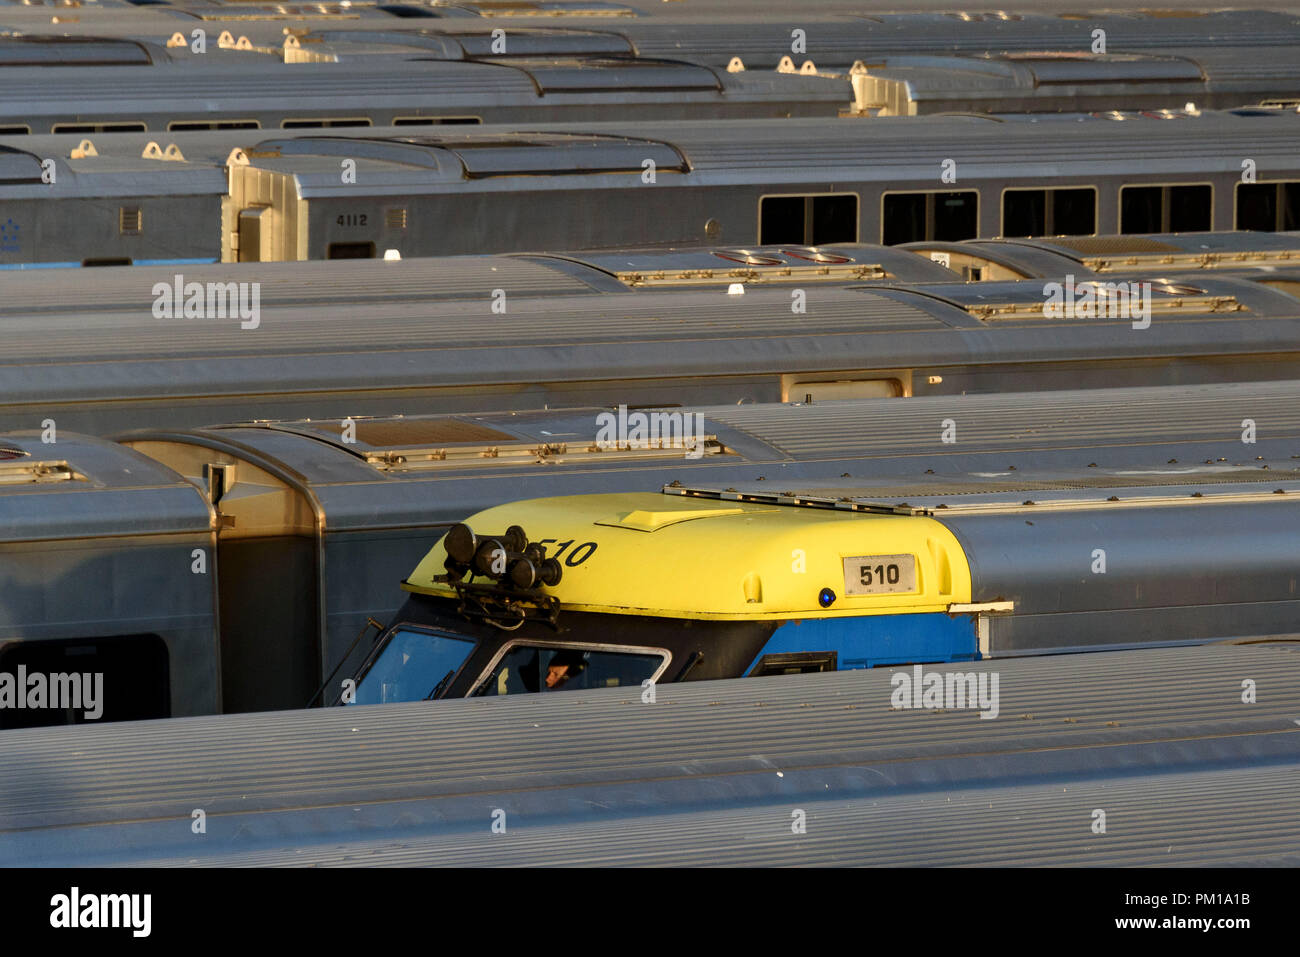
pixel 879 574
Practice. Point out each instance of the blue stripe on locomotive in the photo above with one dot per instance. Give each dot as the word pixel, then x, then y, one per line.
pixel 873 640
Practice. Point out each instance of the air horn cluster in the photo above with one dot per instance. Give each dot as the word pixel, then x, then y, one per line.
pixel 508 558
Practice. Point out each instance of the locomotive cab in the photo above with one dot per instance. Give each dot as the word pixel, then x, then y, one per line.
pixel 632 589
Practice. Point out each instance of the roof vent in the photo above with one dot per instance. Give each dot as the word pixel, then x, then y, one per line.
pixel 38 473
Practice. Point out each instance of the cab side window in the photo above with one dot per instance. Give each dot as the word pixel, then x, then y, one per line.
pixel 530 668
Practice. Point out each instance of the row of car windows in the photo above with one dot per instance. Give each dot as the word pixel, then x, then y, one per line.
pixel 183 126
pixel 816 220
pixel 1072 211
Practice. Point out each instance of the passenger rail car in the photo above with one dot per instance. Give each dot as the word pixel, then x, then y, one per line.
pixel 276 542
pixel 625 589
pixel 67 206
pixel 740 182
pixel 715 35
pixel 343 510
pixel 107 566
pixel 348 78
pixel 343 80
pixel 114 351
pixel 734 183
pixel 1068 82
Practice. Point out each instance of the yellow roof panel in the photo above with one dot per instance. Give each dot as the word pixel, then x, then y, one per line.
pixel 726 560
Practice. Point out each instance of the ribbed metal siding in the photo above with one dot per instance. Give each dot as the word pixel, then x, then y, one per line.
pixel 1170 821
pixel 400 327
pixel 1153 737
pixel 830 42
pixel 1052 419
pixel 917 143
pixel 336 281
pixel 283 87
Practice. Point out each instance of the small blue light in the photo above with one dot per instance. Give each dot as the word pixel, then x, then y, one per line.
pixel 826 598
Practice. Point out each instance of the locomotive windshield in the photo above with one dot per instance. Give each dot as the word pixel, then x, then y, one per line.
pixel 413 666
pixel 528 667
pixel 424 660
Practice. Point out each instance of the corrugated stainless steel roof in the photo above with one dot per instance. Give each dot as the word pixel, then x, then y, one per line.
pixel 1019 420
pixel 80 487
pixel 130 288
pixel 303 354
pixel 408 327
pixel 162 87
pixel 836 31
pixel 46 51
pixel 878 148
pixel 761 41
pixel 709 773
pixel 463 44
pixel 893 149
pixel 1024 441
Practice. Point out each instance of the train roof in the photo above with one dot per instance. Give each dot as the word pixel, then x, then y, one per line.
pixel 429 470
pixel 883 785
pixel 689 153
pixel 64 355
pixel 1186 254
pixel 1054 255
pixel 787 264
pixel 887 150
pixel 339 69
pixel 1069 488
pixel 123 291
pixel 699 31
pixel 1069 80
pixel 726 553
pixel 124 173
pixel 345 78
pixel 81 487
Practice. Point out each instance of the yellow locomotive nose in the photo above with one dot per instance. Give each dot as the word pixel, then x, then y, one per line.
pixel 681 557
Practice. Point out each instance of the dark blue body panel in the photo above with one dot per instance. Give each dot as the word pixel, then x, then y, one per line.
pixel 873 640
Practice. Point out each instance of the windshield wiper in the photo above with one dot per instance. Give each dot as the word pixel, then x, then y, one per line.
pixel 441 686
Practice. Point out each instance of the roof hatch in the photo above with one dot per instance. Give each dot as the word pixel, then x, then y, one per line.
pixel 394 444
pixel 71 51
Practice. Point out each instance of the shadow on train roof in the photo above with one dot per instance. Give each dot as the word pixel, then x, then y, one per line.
pixel 465 44
pixel 479 156
pixel 56 51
